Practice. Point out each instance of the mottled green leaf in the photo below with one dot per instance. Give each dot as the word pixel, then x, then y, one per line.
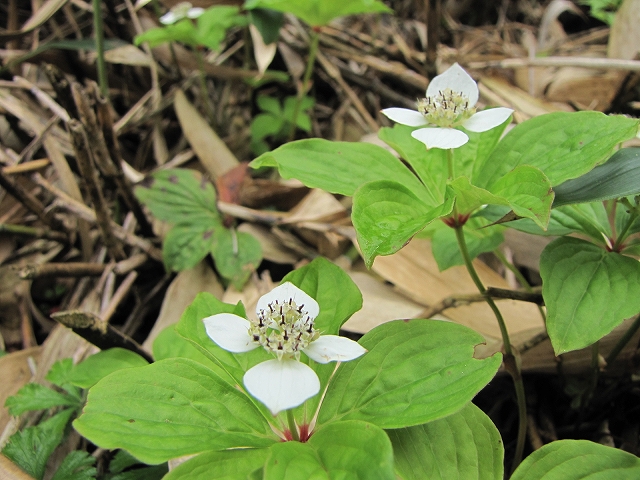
pixel 237 255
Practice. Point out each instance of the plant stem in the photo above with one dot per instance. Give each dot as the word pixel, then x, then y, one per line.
pixel 313 51
pixel 613 354
pixel 292 426
pixel 519 277
pixel 624 233
pixel 98 32
pixel 510 363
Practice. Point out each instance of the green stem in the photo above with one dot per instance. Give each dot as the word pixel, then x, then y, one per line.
pixel 622 236
pixel 613 354
pixel 510 362
pixel 292 426
pixel 313 52
pixel 450 164
pixel 98 32
pixel 519 277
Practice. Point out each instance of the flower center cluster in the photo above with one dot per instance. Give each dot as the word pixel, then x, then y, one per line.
pixel 284 329
pixel 446 109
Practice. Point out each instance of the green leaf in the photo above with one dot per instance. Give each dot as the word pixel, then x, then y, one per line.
pixel 228 465
pixel 444 243
pixel 270 105
pixel 60 372
pixel 179 196
pixel 87 373
pixel 168 344
pixel 354 449
pixel 386 215
pixel 564 145
pixel 587 290
pixel 185 245
pixel 156 472
pixel 192 329
pixel 183 31
pixel 429 164
pixel 293 461
pixel 31 448
pixel 465 446
pixel 415 371
pixel 619 177
pixel 264 125
pixel 578 459
pixel 237 255
pixel 213 24
pixel 268 23
pixel 320 12
pixel 168 409
pixel 336 294
pixel 34 396
pixel 77 465
pixel 339 167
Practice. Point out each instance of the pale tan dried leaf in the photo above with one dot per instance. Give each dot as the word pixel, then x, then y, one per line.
pixel 15 373
pixel 214 155
pixel 262 52
pixel 128 55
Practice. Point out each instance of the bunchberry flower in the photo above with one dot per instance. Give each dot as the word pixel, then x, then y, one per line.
pixel 284 327
pixel 179 11
pixel 449 103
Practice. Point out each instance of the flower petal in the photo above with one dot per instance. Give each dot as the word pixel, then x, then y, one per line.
pixel 195 12
pixel 412 118
pixel 333 348
pixel 487 119
pixel 283 293
pixel 229 332
pixel 457 80
pixel 441 137
pixel 169 18
pixel 281 384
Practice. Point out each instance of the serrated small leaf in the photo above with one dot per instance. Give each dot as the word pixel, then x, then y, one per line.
pixel 88 372
pixel 185 245
pixel 588 291
pixel 415 371
pixel 31 448
pixel 386 215
pixel 462 446
pixel 264 125
pixel 618 177
pixel 77 465
pixel 319 12
pixel 228 465
pixel 34 396
pixel 576 460
pixel 179 196
pixel 339 167
pixel 171 408
pixel 237 255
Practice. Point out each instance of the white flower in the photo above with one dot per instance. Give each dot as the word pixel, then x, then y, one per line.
pixel 285 327
pixel 450 102
pixel 179 11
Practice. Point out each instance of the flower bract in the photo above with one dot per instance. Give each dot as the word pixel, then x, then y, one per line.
pixel 179 11
pixel 285 328
pixel 449 102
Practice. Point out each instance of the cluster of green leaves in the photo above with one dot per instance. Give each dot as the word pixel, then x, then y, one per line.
pixel 186 200
pixel 31 447
pixel 546 171
pixel 381 415
pixel 208 30
pixel 275 120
